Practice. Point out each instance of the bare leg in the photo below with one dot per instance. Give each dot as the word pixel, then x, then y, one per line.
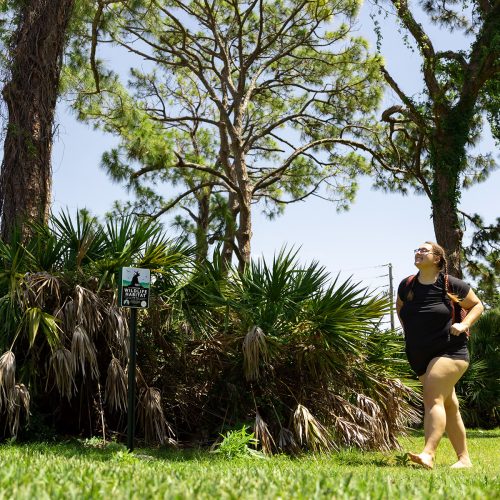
pixel 439 381
pixel 456 432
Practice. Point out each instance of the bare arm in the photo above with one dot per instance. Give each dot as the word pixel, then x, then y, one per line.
pixel 474 309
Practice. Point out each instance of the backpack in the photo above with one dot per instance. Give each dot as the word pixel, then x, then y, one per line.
pixel 458 313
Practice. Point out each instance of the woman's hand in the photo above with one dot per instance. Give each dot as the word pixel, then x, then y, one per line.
pixel 458 328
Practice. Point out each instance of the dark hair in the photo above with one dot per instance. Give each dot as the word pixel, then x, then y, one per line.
pixel 442 264
pixel 438 250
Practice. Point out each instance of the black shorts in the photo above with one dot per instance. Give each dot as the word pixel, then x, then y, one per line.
pixel 419 361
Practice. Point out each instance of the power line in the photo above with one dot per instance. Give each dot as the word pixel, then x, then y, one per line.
pixel 366 267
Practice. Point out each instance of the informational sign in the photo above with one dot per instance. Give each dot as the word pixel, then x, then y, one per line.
pixel 134 287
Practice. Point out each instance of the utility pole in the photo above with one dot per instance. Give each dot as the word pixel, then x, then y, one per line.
pixel 391 296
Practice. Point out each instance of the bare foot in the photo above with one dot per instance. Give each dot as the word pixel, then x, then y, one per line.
pixel 423 459
pixel 463 463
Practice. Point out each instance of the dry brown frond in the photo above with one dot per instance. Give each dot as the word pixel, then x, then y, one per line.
pixel 68 316
pixel 7 379
pixel 358 424
pixel 116 386
pixel 62 364
pixel 352 434
pixel 116 328
pixel 21 399
pixel 375 421
pixel 87 309
pixel 83 350
pixel 40 288
pixel 286 441
pixel 373 424
pixel 152 419
pixel 254 347
pixel 263 435
pixel 310 432
pixel 399 408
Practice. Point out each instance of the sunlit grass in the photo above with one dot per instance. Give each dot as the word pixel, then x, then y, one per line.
pixel 90 470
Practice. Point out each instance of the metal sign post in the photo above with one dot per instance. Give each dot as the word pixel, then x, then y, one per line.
pixel 131 380
pixel 134 285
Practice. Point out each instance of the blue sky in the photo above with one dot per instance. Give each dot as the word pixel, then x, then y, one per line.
pixel 379 228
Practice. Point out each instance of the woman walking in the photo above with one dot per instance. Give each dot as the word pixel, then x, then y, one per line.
pixel 436 346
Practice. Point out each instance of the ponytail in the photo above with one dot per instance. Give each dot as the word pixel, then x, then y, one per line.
pixel 453 297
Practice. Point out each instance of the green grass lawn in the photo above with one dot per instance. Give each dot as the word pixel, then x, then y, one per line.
pixel 86 470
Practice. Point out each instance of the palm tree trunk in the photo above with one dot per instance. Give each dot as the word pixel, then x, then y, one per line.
pixel 31 95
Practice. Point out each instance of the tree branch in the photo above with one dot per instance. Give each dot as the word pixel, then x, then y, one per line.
pixel 418 118
pixel 183 195
pixel 230 185
pixel 424 43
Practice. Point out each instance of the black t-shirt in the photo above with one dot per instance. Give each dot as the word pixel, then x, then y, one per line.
pixel 427 317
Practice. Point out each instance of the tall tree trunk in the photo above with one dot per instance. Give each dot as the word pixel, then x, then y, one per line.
pixel 447 156
pixel 31 95
pixel 446 223
pixel 202 223
pixel 244 233
pixel 230 229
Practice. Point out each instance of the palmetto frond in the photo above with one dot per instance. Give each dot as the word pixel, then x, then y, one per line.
pixel 62 365
pixel 116 329
pixel 40 288
pixel 82 238
pixel 124 240
pixel 479 388
pixel 310 432
pixel 68 316
pixel 116 386
pixel 254 350
pixel 165 255
pixel 152 419
pixel 286 441
pixel 7 379
pixel 34 320
pixel 272 296
pixel 350 433
pixel 82 350
pixel 263 435
pixel 87 309
pixel 10 316
pixel 45 248
pixel 21 400
pixel 13 265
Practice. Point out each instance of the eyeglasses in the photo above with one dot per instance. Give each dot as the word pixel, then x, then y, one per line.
pixel 423 251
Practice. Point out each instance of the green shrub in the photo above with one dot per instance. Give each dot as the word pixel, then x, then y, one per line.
pixel 237 443
pixel 479 388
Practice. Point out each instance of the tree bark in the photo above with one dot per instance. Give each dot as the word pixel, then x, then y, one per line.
pixel 446 224
pixel 31 96
pixel 244 233
pixel 202 224
pixel 230 230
